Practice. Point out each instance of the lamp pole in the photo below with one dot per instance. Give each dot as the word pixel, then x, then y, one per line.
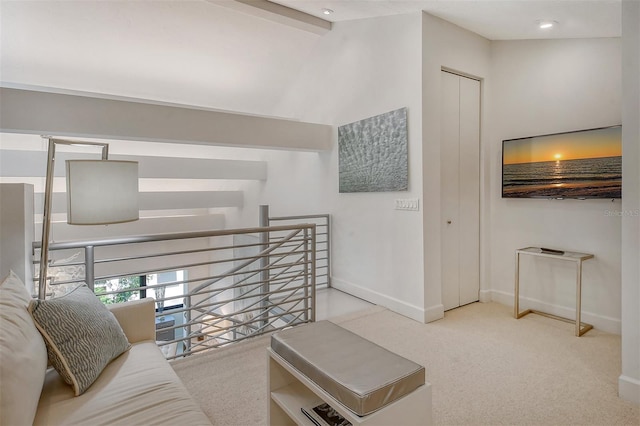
pixel 48 195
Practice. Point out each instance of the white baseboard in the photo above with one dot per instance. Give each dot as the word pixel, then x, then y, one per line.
pixel 500 297
pixel 629 389
pixel 601 322
pixel 485 296
pixel 434 313
pixel 398 306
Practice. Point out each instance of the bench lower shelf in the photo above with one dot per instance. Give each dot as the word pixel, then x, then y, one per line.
pixel 289 391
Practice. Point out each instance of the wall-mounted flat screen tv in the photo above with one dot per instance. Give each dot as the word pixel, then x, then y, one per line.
pixel 580 164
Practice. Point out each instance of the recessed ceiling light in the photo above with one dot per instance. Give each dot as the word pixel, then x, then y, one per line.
pixel 327 11
pixel 545 24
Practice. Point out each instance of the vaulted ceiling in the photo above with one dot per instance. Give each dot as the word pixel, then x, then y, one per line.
pixel 210 54
pixel 493 19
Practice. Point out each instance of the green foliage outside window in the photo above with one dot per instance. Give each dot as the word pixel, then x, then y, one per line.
pixel 123 283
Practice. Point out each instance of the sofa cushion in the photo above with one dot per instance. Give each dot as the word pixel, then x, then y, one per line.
pixel 23 355
pixel 82 336
pixel 137 388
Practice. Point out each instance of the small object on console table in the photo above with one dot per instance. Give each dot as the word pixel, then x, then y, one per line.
pixel 551 251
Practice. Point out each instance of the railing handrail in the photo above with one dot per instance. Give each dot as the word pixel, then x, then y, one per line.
pixel 232 289
pixel 134 239
pixel 306 216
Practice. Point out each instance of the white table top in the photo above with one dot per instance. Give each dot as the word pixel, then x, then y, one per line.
pixel 567 255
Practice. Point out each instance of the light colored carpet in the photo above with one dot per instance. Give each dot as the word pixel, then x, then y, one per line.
pixel 486 368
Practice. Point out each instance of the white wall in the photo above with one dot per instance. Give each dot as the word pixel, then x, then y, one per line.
pixel 447 46
pixel 629 382
pixel 542 87
pixel 16 230
pixel 360 69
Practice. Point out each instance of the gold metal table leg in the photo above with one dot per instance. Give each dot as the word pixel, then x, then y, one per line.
pixel 580 327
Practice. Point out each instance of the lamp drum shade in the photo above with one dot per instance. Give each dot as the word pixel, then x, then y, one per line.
pixel 101 192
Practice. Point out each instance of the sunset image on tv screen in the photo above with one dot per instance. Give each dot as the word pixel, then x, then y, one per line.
pixel 581 164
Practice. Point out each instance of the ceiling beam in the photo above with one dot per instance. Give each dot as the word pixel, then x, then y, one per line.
pixel 188 200
pixel 15 163
pixel 95 116
pixel 278 13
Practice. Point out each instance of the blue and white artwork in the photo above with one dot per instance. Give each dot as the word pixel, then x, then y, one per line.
pixel 372 154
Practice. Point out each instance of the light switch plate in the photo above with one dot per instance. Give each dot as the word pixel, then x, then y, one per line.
pixel 412 204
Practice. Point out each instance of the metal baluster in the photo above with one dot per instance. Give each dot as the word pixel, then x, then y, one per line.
pixel 264 265
pixel 89 263
pixel 187 315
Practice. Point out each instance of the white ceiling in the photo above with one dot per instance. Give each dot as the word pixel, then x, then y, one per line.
pixel 493 19
pixel 199 52
pixel 179 51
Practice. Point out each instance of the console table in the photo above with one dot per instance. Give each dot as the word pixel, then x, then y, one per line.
pixel 575 257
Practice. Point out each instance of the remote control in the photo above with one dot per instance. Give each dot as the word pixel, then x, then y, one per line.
pixel 548 250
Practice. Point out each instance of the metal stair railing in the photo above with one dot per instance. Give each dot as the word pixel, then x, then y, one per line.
pixel 233 285
pixel 323 239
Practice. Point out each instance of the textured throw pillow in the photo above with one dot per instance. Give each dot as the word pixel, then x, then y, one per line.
pixel 82 336
pixel 23 356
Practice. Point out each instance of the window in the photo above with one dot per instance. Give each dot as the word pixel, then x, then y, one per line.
pixel 124 288
pixel 167 296
pixel 172 292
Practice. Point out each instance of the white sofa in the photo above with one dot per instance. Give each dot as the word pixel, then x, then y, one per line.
pixel 138 387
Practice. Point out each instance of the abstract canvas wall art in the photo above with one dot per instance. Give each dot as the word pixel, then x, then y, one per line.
pixel 372 154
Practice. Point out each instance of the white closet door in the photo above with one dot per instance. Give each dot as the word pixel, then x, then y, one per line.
pixel 450 189
pixel 460 195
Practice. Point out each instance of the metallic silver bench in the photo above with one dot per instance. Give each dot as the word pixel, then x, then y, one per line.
pixel 351 371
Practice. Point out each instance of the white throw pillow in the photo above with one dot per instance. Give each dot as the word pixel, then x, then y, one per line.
pixel 23 355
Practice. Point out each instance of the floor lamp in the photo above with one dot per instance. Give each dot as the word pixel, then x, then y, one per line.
pixel 99 192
